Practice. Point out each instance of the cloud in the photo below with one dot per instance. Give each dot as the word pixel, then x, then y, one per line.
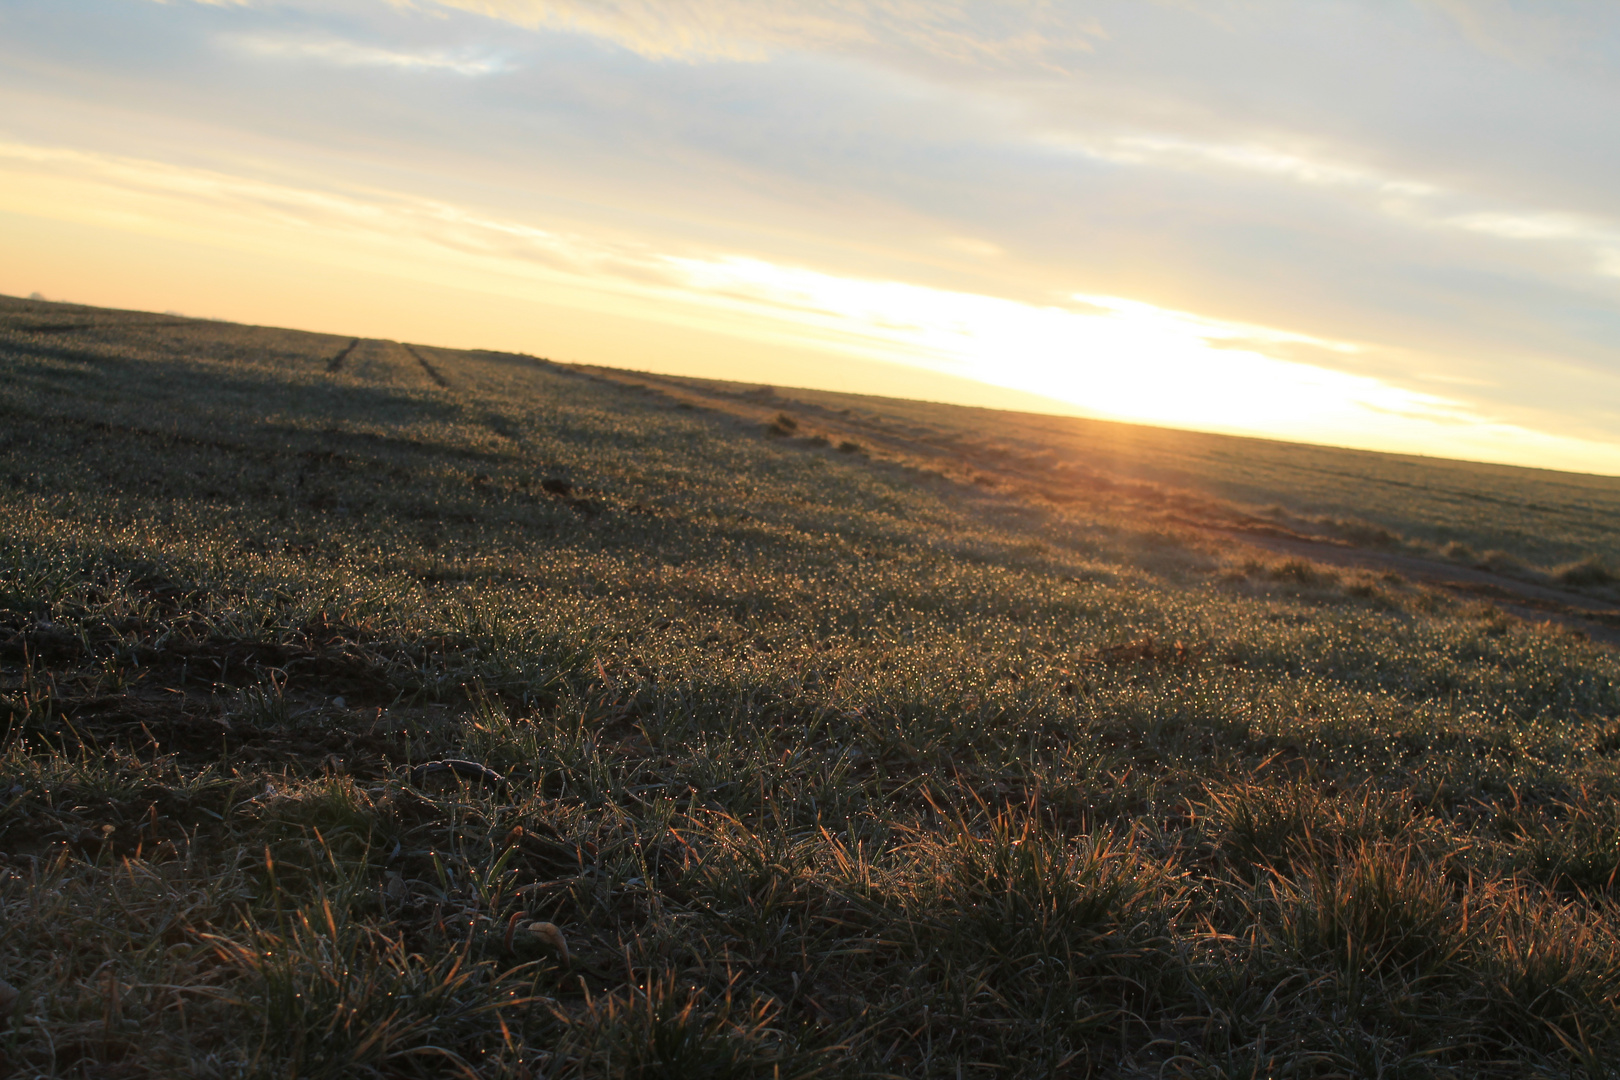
pixel 685 31
pixel 343 53
pixel 1011 32
pixel 1534 226
pixel 967 245
pixel 1412 200
pixel 1519 33
pixel 1299 166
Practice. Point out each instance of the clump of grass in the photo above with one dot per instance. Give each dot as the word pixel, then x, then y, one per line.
pixel 1608 737
pixel 664 1029
pixel 1012 879
pixel 1272 826
pixel 1370 587
pixel 334 808
pixel 1503 562
pixel 326 993
pixel 35 579
pixel 1495 622
pixel 1574 848
pixel 1584 573
pixel 1002 891
pixel 781 425
pixel 264 707
pixel 1365 533
pixel 1554 970
pixel 1376 911
pixel 1458 551
pixel 1302 572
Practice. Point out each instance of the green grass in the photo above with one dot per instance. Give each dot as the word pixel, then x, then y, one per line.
pixel 822 762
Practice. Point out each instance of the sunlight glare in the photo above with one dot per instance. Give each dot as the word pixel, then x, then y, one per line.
pixel 1108 356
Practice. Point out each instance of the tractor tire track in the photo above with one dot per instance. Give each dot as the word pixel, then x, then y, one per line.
pixel 432 372
pixel 336 362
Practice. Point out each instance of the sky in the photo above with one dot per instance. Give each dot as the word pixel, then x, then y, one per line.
pixel 1389 224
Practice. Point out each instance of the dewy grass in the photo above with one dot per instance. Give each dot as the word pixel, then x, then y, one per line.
pixel 322 688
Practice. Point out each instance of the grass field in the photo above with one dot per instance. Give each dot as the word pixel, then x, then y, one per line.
pixel 795 750
pixel 1544 521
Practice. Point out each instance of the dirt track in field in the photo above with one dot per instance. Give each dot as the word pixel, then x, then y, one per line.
pixel 1532 601
pixel 1598 619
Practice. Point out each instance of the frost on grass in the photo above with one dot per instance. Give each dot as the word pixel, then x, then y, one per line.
pixel 596 736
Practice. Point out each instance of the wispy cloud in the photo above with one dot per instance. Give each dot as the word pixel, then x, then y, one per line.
pixel 340 53
pixel 1009 32
pixel 1520 33
pixel 1415 200
pixel 1298 166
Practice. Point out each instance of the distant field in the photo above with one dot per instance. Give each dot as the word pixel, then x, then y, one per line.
pixel 1542 517
pixel 792 733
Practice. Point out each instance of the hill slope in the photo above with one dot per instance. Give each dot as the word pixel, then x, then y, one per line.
pixel 976 747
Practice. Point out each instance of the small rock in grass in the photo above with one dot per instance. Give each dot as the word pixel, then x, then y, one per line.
pixel 9 993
